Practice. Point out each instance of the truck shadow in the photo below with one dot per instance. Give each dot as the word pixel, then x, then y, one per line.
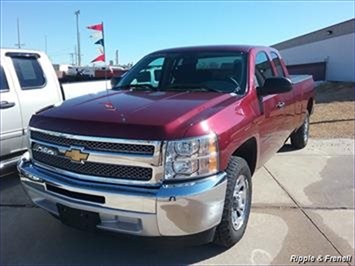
pixel 286 148
pixel 131 250
pixel 11 191
pixel 59 244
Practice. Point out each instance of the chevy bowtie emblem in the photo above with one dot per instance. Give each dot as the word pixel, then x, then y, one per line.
pixel 76 155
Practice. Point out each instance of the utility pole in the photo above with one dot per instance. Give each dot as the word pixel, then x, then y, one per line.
pixel 77 13
pixel 72 58
pixel 116 57
pixel 76 56
pixel 19 44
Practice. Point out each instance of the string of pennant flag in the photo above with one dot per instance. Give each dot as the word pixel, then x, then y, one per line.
pixel 99 36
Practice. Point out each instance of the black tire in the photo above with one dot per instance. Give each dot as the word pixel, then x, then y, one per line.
pixel 226 234
pixel 299 138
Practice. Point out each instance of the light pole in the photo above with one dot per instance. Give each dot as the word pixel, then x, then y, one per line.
pixel 18 44
pixel 77 13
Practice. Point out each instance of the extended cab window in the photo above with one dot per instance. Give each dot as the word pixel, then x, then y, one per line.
pixel 263 69
pixel 4 85
pixel 29 72
pixel 277 62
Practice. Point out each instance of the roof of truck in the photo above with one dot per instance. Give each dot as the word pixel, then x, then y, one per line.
pixel 230 48
pixel 14 50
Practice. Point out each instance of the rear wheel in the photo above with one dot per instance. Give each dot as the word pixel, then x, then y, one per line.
pixel 237 203
pixel 299 138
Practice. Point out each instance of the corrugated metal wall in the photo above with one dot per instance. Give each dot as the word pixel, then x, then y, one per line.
pixel 337 53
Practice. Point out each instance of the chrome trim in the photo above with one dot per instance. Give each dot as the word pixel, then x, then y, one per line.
pixel 191 207
pixel 93 178
pixel 99 139
pixel 10 135
pixel 108 157
pixel 115 197
pixel 9 162
pixel 169 210
pixel 155 161
pixel 110 218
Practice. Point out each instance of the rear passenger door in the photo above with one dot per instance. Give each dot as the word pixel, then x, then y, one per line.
pixel 288 99
pixel 10 116
pixel 272 114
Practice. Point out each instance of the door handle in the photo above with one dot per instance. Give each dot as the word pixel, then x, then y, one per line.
pixel 280 105
pixel 6 104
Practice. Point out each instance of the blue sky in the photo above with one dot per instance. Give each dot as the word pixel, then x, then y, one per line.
pixel 137 28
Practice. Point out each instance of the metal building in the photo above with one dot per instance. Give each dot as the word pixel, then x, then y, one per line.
pixel 327 54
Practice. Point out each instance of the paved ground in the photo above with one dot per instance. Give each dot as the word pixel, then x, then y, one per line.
pixel 303 204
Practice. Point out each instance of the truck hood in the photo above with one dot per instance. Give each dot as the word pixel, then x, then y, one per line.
pixel 131 114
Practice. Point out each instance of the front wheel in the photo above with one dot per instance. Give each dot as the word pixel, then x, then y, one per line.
pixel 299 138
pixel 237 203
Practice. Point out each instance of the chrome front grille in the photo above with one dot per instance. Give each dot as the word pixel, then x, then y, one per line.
pixel 96 169
pixel 94 145
pixel 106 160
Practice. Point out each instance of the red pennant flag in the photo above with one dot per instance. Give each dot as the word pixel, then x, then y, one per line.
pixel 98 27
pixel 101 57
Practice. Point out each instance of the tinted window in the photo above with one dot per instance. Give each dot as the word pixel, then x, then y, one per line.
pixel 29 72
pixel 4 84
pixel 222 71
pixel 214 71
pixel 277 63
pixel 157 75
pixel 263 68
pixel 144 76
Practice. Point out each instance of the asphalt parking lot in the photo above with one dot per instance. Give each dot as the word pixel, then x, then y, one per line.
pixel 303 204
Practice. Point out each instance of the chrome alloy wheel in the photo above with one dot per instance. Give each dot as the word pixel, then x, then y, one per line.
pixel 239 203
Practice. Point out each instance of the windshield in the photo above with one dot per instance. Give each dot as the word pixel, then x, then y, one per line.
pixel 223 72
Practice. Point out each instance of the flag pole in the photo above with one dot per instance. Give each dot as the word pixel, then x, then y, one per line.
pixel 104 50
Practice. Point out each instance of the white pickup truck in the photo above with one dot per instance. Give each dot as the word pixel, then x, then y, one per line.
pixel 28 84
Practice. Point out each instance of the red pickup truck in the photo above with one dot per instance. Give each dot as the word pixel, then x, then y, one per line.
pixel 171 155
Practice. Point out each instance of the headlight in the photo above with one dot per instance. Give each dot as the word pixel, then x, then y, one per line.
pixel 192 157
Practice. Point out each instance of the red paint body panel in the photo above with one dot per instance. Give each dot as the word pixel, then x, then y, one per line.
pixel 163 115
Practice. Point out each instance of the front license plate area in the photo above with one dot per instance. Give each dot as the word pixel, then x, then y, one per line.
pixel 83 220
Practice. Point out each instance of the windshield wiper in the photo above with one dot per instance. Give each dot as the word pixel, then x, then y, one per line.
pixel 192 87
pixel 134 86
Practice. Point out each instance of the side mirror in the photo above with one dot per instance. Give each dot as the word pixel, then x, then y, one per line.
pixel 275 85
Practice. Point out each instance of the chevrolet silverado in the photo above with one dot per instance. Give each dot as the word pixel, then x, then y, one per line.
pixel 172 156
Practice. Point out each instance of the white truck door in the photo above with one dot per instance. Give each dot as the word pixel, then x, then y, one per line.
pixel 37 84
pixel 11 136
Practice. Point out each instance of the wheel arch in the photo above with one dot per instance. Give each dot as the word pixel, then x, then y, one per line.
pixel 248 151
pixel 310 105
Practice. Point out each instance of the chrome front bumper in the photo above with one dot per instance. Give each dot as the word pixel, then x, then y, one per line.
pixel 169 210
